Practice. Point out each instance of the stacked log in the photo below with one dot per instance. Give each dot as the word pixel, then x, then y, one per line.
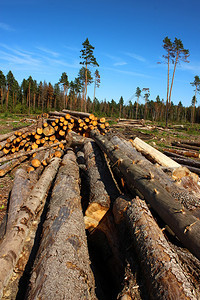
pixel 124 238
pixel 181 221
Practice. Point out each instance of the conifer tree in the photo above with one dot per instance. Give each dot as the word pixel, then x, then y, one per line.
pixel 87 60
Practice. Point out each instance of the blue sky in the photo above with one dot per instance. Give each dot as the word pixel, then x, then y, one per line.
pixel 43 38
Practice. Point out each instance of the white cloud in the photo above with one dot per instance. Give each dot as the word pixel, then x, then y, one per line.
pixel 135 56
pixel 6 27
pixel 48 51
pixel 120 63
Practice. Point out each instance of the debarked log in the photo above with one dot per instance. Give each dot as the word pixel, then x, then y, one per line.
pixel 62 267
pixel 154 154
pixel 180 220
pixel 164 276
pixel 12 256
pixel 102 187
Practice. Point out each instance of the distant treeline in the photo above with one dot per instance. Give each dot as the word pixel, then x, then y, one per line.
pixel 34 97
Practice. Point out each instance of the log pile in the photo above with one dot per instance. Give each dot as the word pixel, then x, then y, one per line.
pixel 99 220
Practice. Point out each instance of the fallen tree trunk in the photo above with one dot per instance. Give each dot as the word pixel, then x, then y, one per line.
pixel 189 199
pixel 77 113
pixel 184 161
pixel 154 154
pixel 181 221
pixel 20 191
pixel 12 250
pixel 182 152
pixel 62 267
pixel 185 146
pixel 164 277
pixel 102 187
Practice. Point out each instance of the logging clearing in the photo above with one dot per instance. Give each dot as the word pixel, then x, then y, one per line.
pixel 94 211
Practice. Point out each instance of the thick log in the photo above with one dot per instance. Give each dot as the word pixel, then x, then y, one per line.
pixel 22 153
pixel 154 154
pixel 164 277
pixel 102 187
pixel 20 191
pixel 181 221
pixel 11 248
pixel 189 198
pixel 182 152
pixel 62 268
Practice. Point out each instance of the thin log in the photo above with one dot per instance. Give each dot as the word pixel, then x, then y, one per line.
pixel 22 153
pixel 9 166
pixel 181 221
pixel 185 146
pixel 154 154
pixel 11 248
pixel 183 152
pixel 165 278
pixel 184 161
pixel 62 268
pixel 76 113
pixel 12 133
pixel 102 186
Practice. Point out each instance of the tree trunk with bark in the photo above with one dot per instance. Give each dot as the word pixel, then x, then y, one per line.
pixel 189 198
pixel 102 186
pixel 180 220
pixel 164 277
pixel 13 249
pixel 62 267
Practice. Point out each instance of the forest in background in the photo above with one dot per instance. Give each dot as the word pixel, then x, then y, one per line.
pixel 34 97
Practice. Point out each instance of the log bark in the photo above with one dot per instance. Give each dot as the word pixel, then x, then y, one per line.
pixel 154 154
pixel 62 268
pixel 182 152
pixel 181 221
pixel 185 146
pixel 13 256
pixel 77 113
pixel 165 278
pixel 184 161
pixel 102 186
pixel 20 191
pixel 9 166
pixel 188 198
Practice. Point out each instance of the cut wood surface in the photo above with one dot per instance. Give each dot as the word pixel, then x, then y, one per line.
pixel 164 277
pixel 76 113
pixel 154 154
pixel 11 248
pixel 62 267
pixel 12 133
pixel 22 153
pixel 181 221
pixel 102 186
